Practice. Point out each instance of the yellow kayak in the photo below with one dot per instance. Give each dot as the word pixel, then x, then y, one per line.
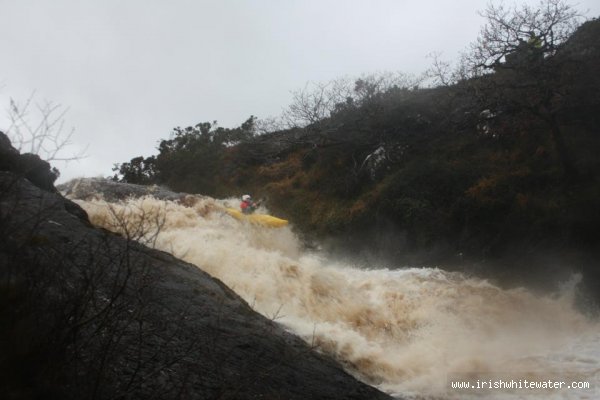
pixel 259 219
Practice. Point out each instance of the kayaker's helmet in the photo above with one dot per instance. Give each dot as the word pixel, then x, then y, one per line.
pixel 246 197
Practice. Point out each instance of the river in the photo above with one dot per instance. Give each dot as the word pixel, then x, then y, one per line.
pixel 407 331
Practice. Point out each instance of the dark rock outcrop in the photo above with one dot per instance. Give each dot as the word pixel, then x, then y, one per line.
pixel 90 188
pixel 30 166
pixel 85 313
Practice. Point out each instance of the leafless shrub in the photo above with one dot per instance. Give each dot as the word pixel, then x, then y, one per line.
pixel 443 73
pixel 507 29
pixel 79 308
pixel 39 128
pixel 317 101
pixel 137 223
pixel 509 32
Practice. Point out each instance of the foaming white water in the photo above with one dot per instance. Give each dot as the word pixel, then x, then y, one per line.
pixel 406 331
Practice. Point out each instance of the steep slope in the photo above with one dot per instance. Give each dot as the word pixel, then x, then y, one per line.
pixel 499 172
pixel 404 329
pixel 89 314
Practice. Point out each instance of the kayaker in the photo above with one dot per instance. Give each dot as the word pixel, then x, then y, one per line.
pixel 248 206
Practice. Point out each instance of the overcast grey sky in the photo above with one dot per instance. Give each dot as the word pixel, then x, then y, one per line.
pixel 131 70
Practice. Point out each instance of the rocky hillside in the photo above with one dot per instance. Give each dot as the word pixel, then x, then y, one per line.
pixel 87 314
pixel 497 171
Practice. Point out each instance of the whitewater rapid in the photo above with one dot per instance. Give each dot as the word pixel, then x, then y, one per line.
pixel 406 331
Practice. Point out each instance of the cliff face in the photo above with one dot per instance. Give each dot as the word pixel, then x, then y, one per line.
pixel 85 313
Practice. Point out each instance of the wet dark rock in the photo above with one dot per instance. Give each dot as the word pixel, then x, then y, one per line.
pixel 36 171
pixel 30 166
pixel 111 191
pixel 85 313
pixel 8 154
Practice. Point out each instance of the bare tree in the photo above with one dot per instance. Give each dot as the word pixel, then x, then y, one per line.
pixel 317 100
pixel 443 72
pixel 510 33
pixel 513 29
pixel 270 124
pixel 369 86
pixel 512 67
pixel 39 128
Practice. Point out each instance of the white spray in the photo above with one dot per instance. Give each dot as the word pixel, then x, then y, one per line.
pixel 406 331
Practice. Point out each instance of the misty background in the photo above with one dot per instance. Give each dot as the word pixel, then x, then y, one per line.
pixel 129 72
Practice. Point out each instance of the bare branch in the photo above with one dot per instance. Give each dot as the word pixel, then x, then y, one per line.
pixel 39 128
pixel 440 71
pixel 510 29
pixel 317 101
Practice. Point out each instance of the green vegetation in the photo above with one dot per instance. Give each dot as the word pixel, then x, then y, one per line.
pixel 500 158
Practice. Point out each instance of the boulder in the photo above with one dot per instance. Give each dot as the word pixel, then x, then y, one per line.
pixel 85 313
